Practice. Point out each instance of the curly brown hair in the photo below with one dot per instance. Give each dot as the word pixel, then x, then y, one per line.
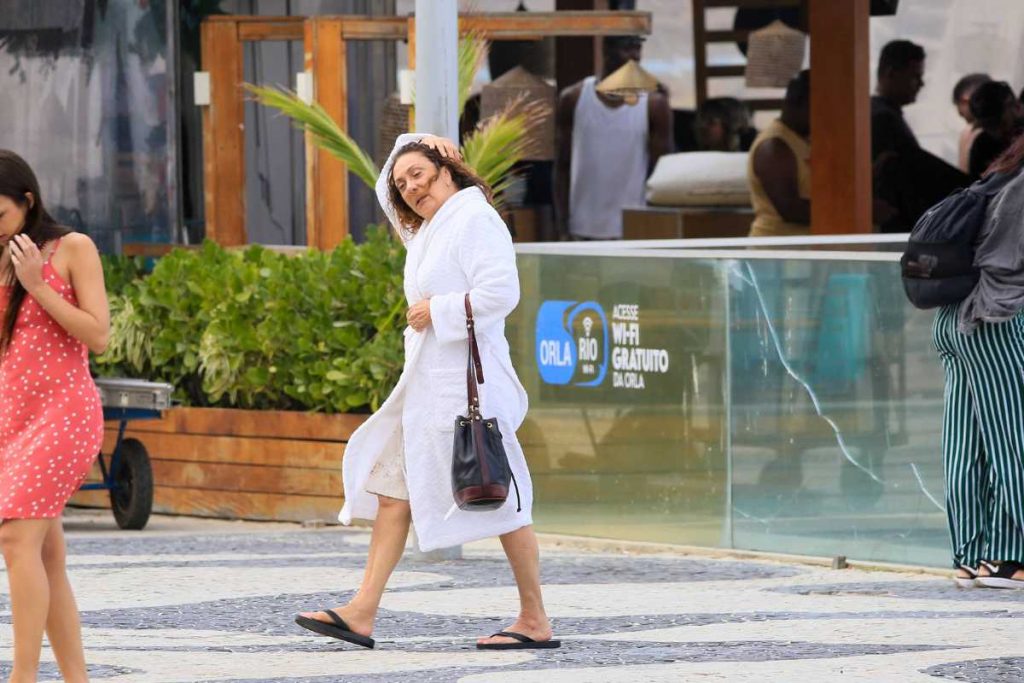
pixel 461 174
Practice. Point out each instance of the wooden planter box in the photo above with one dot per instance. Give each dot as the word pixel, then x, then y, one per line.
pixel 240 464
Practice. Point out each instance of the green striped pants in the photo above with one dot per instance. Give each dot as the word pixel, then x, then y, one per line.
pixel 983 437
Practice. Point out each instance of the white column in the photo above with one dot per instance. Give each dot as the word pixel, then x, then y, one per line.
pixel 437 68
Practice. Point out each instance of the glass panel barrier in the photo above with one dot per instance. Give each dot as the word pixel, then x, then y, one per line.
pixel 836 413
pixel 624 361
pixel 781 404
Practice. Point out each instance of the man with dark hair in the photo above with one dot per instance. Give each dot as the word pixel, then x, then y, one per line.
pixel 779 168
pixel 606 148
pixel 900 78
pixel 908 179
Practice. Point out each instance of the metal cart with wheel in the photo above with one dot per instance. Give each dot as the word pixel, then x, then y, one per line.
pixel 129 476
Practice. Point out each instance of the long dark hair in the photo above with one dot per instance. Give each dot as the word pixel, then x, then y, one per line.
pixel 462 176
pixel 17 181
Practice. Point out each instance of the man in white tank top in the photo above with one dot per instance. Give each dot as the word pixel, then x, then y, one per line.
pixel 606 149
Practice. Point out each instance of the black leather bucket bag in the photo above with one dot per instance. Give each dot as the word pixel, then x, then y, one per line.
pixel 481 474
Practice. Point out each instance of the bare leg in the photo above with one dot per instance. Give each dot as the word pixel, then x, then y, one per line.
pixel 387 543
pixel 524 557
pixel 63 627
pixel 22 543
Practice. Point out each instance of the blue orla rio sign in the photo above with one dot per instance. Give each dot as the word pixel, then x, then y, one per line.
pixel 572 343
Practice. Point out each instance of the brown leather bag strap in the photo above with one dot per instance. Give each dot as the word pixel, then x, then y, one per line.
pixel 471 390
pixel 472 341
pixel 474 368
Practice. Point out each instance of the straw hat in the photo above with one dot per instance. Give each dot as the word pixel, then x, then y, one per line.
pixel 520 85
pixel 628 82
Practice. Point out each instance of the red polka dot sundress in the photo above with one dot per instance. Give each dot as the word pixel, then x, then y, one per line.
pixel 51 419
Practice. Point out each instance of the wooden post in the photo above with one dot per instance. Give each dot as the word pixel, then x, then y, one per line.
pixel 576 57
pixel 326 177
pixel 224 134
pixel 411 54
pixel 840 117
pixel 700 53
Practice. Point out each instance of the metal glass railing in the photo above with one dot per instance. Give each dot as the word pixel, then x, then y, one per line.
pixel 783 397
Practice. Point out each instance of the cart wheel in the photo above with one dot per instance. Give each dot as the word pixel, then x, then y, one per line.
pixel 131 498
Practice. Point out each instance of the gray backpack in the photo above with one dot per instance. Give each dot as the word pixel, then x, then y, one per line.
pixel 938 265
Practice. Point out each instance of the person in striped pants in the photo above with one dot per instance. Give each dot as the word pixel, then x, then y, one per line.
pixel 982 441
pixel 981 344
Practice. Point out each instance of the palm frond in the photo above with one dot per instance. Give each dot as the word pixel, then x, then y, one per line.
pixel 502 141
pixel 473 50
pixel 326 134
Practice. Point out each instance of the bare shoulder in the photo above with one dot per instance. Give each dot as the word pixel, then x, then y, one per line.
pixel 75 249
pixel 78 243
pixel 774 158
pixel 773 149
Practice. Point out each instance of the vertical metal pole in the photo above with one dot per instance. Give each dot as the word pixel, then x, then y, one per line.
pixel 179 235
pixel 437 68
pixel 728 526
pixel 437 110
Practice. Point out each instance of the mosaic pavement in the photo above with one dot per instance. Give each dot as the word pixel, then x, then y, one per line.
pixel 210 601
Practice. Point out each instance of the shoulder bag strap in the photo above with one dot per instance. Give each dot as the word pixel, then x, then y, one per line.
pixel 475 375
pixel 474 368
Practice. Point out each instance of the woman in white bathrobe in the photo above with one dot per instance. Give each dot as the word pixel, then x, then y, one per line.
pixel 397 466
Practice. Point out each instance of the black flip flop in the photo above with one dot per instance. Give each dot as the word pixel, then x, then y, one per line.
pixel 1001 576
pixel 525 643
pixel 339 629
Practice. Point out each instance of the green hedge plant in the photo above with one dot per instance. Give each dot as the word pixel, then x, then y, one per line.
pixel 256 329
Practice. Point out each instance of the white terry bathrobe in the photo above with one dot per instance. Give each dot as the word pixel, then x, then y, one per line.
pixel 465 247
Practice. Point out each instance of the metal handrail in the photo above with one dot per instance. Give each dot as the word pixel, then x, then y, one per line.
pixel 718 243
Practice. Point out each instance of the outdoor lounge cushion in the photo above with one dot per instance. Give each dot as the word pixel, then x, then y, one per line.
pixel 700 179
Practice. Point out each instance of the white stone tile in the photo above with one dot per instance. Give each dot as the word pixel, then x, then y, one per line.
pixel 98 589
pixel 625 599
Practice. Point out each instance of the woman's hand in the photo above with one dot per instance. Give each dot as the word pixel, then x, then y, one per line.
pixel 446 147
pixel 419 315
pixel 28 262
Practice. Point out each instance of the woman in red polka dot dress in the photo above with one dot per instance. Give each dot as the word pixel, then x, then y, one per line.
pixel 53 311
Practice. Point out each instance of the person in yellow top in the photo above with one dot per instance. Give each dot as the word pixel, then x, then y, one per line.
pixel 779 169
